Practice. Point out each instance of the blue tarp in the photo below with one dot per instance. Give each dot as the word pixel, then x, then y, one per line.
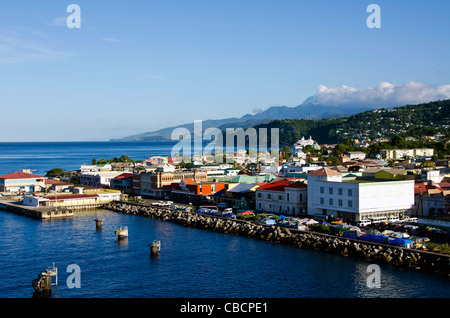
pixel 401 242
pixel 374 238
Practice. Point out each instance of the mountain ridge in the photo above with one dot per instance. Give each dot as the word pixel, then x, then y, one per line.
pixel 307 110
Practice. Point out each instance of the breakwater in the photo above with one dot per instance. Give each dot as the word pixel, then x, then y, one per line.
pixel 373 252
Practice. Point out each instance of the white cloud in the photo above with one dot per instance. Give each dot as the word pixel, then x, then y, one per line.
pixel 16 47
pixel 384 94
pixel 58 22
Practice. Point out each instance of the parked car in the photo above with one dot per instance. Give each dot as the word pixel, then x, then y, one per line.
pixel 363 223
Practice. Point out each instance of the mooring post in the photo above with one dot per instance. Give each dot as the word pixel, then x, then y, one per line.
pixel 155 247
pixel 98 223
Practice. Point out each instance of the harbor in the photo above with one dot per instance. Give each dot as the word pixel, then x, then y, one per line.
pixel 192 263
pixel 343 246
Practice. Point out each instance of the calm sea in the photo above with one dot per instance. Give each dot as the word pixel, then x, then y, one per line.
pixel 193 263
pixel 43 156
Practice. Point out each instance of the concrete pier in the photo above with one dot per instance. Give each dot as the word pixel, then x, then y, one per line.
pixel 43 213
pixel 36 212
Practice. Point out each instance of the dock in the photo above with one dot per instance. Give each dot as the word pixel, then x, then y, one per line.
pixel 43 213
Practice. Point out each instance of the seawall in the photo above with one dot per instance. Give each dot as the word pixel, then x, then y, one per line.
pixel 373 252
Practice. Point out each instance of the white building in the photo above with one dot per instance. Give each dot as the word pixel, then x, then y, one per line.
pixel 356 155
pixel 98 179
pixel 94 168
pixel 300 144
pixel 355 200
pixel 282 197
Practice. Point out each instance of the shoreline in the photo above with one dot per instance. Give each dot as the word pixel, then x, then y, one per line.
pixel 347 247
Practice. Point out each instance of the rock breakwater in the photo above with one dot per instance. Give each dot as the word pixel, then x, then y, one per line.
pixel 376 253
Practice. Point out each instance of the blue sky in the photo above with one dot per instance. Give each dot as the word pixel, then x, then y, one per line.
pixel 137 66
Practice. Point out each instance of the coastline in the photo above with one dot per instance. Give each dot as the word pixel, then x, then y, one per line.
pixel 372 252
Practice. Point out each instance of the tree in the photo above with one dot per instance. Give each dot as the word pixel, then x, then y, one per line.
pixel 55 172
pixel 398 142
pixel 94 161
pixel 125 158
pixel 333 160
pixel 286 152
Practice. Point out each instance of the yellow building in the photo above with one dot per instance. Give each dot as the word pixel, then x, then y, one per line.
pixel 392 174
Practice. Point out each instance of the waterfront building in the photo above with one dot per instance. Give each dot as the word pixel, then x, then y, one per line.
pixel 22 181
pixel 98 178
pixel 57 185
pixel 157 184
pixel 123 182
pixel 358 198
pixel 187 190
pixel 73 200
pixel 241 195
pixel 287 197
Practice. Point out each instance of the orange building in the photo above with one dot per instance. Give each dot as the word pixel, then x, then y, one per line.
pixel 189 190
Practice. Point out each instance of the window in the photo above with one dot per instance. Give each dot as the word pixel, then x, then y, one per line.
pixel 350 204
pixel 340 191
pixel 340 202
pixel 330 190
pixel 301 197
pixel 287 196
pixel 350 192
pixel 330 201
pixel 259 195
pixel 269 196
pixel 322 200
pixel 280 197
pixel 322 190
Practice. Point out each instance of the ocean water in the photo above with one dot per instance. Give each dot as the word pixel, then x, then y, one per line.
pixel 40 157
pixel 193 263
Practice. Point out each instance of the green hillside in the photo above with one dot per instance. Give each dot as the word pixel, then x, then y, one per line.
pixel 408 121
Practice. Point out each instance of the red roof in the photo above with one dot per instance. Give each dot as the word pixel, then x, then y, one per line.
pixel 298 184
pixel 56 182
pixel 124 175
pixel 20 175
pixel 281 184
pixel 324 172
pixel 422 188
